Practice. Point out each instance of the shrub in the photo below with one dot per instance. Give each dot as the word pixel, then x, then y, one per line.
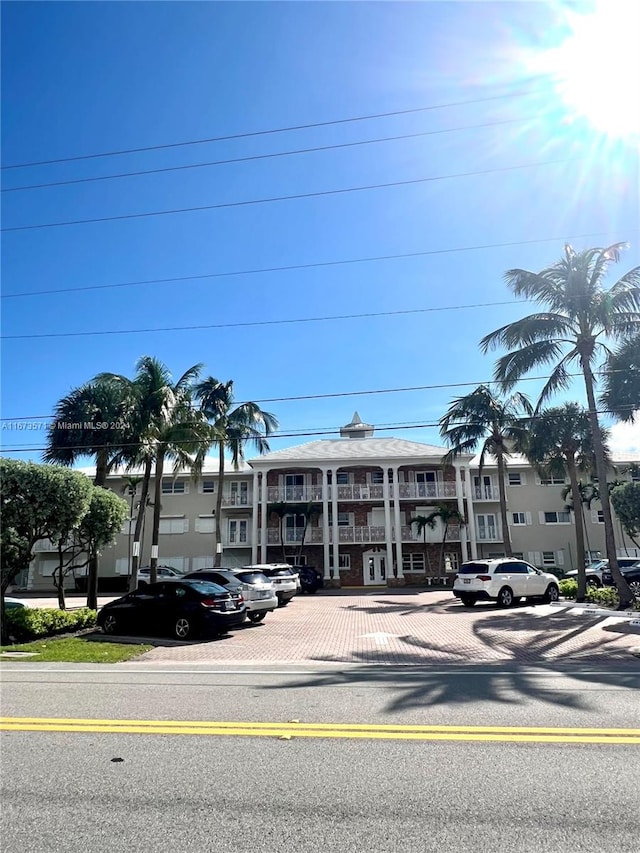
pixel 27 624
pixel 607 596
pixel 568 588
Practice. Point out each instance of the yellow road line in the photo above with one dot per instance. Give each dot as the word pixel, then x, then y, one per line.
pixel 512 734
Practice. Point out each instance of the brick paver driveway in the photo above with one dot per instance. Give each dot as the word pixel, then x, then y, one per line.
pixel 403 627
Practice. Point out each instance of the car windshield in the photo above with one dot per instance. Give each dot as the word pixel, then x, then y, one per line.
pixel 278 573
pixel 473 569
pixel 206 587
pixel 252 577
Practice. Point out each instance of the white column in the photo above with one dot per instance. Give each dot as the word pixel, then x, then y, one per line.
pixel 471 514
pixel 397 521
pixel 335 530
pixel 463 528
pixel 255 501
pixel 263 520
pixel 325 523
pixel 387 521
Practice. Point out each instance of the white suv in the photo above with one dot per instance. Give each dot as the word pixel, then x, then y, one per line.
pixel 284 578
pixel 504 580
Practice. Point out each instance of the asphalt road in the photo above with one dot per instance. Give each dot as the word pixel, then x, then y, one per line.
pixel 62 791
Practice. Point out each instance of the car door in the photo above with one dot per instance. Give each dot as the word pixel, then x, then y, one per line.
pixel 517 573
pixel 135 611
pixel 536 582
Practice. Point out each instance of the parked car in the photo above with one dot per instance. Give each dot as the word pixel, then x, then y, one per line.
pixel 258 591
pixel 631 573
pixel 182 609
pixel 284 578
pixel 504 580
pixel 310 579
pixel 597 570
pixel 14 604
pixel 164 573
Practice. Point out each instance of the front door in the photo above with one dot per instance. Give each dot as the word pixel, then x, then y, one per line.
pixel 375 568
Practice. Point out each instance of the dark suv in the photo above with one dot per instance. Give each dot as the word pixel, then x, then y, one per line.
pixel 310 579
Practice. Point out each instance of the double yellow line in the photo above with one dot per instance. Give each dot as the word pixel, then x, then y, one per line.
pixel 295 729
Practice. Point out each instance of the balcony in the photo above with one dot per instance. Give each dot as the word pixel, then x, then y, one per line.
pixel 361 534
pixel 294 494
pixel 417 491
pixel 486 493
pixel 358 492
pixel 410 534
pixel 236 499
pixel 491 533
pixel 294 536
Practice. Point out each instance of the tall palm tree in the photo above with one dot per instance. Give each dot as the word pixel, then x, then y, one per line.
pixel 447 515
pixel 231 429
pixel 90 421
pixel 621 394
pixel 424 523
pixel 587 494
pixel 281 510
pixel 130 489
pixel 560 442
pixel 580 316
pixel 482 417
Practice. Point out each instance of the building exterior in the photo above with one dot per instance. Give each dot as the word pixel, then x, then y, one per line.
pixel 346 507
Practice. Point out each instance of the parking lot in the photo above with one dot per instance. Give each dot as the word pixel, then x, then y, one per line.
pixel 405 627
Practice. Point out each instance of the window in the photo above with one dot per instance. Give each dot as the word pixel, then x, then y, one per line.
pixel 451 561
pixel 342 478
pixel 199 563
pixel 376 477
pixel 552 480
pixel 174 487
pixel 344 561
pixel 518 518
pixel 238 531
pixel 555 517
pixel 208 487
pixel 548 558
pixel 175 524
pixel 122 566
pixel 487 528
pixel 597 516
pixel 239 493
pixel 344 519
pixel 413 563
pixel 206 524
pixel 294 487
pixel 515 478
pixel 47 566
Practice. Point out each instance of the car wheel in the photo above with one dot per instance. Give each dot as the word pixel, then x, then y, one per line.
pixel 552 593
pixel 110 624
pixel 182 629
pixel 505 597
pixel 634 586
pixel 467 600
pixel 593 582
pixel 256 615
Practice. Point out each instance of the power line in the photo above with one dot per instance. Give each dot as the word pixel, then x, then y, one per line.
pixel 273 436
pixel 271 199
pixel 337 394
pixel 264 156
pixel 246 135
pixel 245 324
pixel 314 265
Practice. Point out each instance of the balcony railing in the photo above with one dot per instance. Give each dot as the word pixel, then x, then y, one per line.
pixel 360 492
pixel 489 534
pixel 294 494
pixel 236 499
pixel 486 493
pixel 410 534
pixel 414 491
pixel 294 536
pixel 361 534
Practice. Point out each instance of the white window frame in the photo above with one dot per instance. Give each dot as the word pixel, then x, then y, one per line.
pixel 47 566
pixel 597 516
pixel 344 561
pixel 552 480
pixel 548 558
pixel 518 519
pixel 208 486
pixel 514 482
pixel 342 478
pixel 122 566
pixel 451 561
pixel 485 516
pixel 557 513
pixel 174 487
pixel 205 524
pixel 171 525
pixel 375 478
pixel 413 563
pixel 236 537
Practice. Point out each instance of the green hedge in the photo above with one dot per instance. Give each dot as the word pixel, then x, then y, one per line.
pixel 568 588
pixel 607 596
pixel 28 623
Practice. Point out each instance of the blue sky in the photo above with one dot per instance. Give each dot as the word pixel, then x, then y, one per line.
pixel 81 78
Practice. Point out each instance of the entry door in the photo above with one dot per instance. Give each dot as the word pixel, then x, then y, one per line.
pixel 375 568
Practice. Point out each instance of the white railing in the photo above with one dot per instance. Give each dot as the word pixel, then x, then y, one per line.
pixel 414 491
pixel 360 492
pixel 491 533
pixel 236 499
pixel 486 493
pixel 294 494
pixel 294 536
pixel 410 534
pixel 361 534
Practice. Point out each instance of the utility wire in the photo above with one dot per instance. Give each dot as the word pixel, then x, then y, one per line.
pixel 271 199
pixel 315 265
pixel 246 135
pixel 264 156
pixel 352 393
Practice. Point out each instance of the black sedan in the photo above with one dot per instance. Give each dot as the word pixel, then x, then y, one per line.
pixel 182 609
pixel 630 573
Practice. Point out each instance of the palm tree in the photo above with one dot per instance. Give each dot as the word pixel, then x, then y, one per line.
pixel 587 493
pixel 231 429
pixel 90 421
pixel 424 523
pixel 130 489
pixel 281 510
pixel 448 515
pixel 580 316
pixel 482 416
pixel 310 511
pixel 560 442
pixel 621 395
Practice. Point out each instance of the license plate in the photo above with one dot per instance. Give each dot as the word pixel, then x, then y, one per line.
pixel 466 580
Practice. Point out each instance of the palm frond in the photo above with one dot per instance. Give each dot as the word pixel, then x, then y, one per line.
pixel 510 368
pixel 534 328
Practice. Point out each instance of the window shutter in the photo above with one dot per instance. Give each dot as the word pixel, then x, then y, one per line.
pixel 560 558
pixel 541 517
pixel 185 525
pixel 352 519
pixel 186 487
pixel 523 478
pixel 529 518
pixel 594 516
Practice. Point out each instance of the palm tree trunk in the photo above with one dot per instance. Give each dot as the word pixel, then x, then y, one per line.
pixel 506 537
pixel 577 521
pixel 218 537
pixel 58 579
pixel 100 479
pixel 157 507
pixel 427 565
pixel 444 543
pixel 137 533
pixel 584 525
pixel 624 592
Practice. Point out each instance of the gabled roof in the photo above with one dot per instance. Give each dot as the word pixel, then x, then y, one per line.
pixel 352 450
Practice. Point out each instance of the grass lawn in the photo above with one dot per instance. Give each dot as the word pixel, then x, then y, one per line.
pixel 75 650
